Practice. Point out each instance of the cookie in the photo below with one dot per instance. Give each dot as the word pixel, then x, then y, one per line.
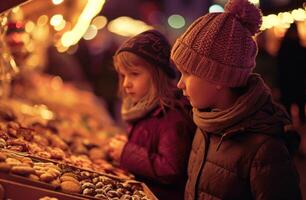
pixel 33 177
pixel 47 177
pixel 4 167
pixel 70 186
pixel 69 178
pixel 2 157
pixel 22 170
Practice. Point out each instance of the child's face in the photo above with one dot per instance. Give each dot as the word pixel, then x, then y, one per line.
pixel 136 82
pixel 201 93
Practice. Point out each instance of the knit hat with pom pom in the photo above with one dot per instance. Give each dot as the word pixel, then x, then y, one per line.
pixel 220 47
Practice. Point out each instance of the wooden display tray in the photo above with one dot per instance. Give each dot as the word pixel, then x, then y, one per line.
pixel 44 188
pixel 19 191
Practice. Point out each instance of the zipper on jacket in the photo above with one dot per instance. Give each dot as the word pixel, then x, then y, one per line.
pixel 206 137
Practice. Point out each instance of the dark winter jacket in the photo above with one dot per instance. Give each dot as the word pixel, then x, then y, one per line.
pixel 242 164
pixel 158 149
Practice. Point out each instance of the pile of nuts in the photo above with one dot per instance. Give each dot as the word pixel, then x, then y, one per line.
pixel 72 180
pixel 103 187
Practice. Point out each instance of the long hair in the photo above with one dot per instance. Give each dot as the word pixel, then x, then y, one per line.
pixel 164 88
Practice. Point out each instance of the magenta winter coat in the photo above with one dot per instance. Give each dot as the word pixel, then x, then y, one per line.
pixel 157 151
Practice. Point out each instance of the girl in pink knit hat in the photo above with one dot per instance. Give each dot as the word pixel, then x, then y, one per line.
pixel 241 149
pixel 160 131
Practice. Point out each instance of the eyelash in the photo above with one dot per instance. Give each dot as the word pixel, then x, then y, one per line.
pixel 134 73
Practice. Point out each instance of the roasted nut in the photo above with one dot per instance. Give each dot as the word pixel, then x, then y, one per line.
pixel 33 177
pixel 136 187
pixel 139 193
pixel 16 148
pixel 135 197
pixel 2 143
pixel 121 191
pixel 27 161
pixel 12 161
pixel 43 154
pixel 3 135
pixel 2 157
pixel 56 183
pixel 126 197
pixel 70 174
pixel 54 172
pixel 25 133
pixel 69 178
pixel 13 125
pixel 85 181
pixel 22 170
pixel 112 194
pixel 12 132
pixel 101 196
pixel 46 177
pixel 88 185
pixel 85 175
pixel 99 185
pixel 39 172
pixel 57 154
pixel 107 188
pixel 4 167
pixel 95 180
pixel 88 191
pixel 100 191
pixel 70 186
pixel 53 166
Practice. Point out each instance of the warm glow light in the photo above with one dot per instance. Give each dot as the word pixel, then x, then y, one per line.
pixel 62 49
pixel 283 19
pixel 99 22
pixel 56 20
pixel 29 26
pixel 56 83
pixel 16 9
pixel 299 14
pixel 286 18
pixel 91 9
pixel 56 2
pixel 61 26
pixel 176 21
pixel 72 49
pixel 215 8
pixel 126 26
pixel 256 2
pixel 42 20
pixel 90 33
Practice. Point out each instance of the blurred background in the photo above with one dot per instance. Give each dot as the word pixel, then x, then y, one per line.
pixel 76 39
pixel 59 53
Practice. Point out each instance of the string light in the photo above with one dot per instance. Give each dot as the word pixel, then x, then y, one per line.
pixel 283 19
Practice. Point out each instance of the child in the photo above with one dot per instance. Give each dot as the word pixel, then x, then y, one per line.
pixel 160 131
pixel 239 150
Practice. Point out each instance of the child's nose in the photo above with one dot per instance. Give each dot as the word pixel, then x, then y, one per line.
pixel 180 84
pixel 126 83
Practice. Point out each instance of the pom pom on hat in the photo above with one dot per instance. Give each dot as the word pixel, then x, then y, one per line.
pixel 249 15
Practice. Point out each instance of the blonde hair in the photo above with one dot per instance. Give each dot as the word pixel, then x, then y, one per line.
pixel 163 86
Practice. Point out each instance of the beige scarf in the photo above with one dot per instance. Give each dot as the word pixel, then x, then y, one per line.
pixel 253 110
pixel 133 111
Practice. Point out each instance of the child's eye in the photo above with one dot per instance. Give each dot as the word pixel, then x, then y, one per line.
pixel 134 73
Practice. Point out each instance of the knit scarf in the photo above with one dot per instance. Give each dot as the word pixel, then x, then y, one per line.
pixel 254 110
pixel 131 111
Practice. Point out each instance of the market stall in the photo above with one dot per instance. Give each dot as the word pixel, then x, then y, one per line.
pixel 52 134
